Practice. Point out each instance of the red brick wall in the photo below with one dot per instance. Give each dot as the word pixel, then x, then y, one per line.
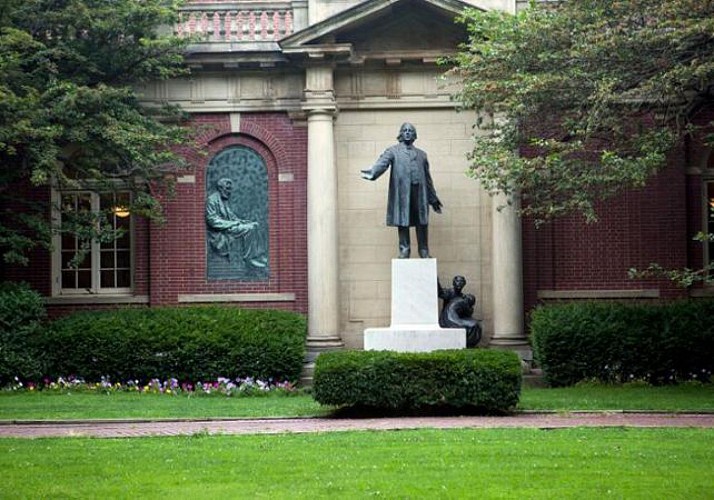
pixel 634 229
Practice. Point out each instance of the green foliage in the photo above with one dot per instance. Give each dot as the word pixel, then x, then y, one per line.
pixel 486 379
pixel 615 342
pixel 22 315
pixel 684 277
pixel 589 95
pixel 190 344
pixel 69 111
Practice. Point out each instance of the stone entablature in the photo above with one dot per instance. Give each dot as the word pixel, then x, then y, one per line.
pixel 281 89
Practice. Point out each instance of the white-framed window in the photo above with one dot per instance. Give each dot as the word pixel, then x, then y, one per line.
pixel 85 265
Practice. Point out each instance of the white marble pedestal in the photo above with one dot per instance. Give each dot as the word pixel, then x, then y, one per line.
pixel 415 313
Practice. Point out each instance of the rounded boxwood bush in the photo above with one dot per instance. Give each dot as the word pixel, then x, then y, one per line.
pixel 488 380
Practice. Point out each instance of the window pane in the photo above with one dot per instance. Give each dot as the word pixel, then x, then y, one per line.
pixel 69 279
pixel 123 198
pixel 124 241
pixel 116 204
pixel 84 279
pixel 123 222
pixel 107 260
pixel 69 202
pixel 123 278
pixel 69 241
pixel 123 259
pixel 106 201
pixel 84 202
pixel 107 279
pixel 67 259
pixel 86 262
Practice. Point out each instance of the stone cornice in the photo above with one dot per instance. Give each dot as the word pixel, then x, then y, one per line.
pixel 321 52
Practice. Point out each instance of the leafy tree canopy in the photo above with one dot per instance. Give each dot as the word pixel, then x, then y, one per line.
pixel 68 107
pixel 589 96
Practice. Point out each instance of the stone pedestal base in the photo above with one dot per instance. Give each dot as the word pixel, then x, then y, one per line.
pixel 315 347
pixel 515 343
pixel 415 313
pixel 414 339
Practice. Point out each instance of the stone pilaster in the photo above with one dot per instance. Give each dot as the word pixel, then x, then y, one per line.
pixel 508 327
pixel 300 19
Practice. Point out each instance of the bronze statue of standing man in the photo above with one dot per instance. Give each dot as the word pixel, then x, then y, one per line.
pixel 411 190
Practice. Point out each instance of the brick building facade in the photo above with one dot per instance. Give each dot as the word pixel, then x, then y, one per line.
pixel 318 90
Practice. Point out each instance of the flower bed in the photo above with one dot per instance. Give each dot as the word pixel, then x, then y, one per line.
pixel 172 387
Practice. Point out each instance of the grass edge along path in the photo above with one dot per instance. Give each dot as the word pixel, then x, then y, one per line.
pixel 456 463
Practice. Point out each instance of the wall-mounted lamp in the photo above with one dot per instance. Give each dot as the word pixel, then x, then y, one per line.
pixel 121 212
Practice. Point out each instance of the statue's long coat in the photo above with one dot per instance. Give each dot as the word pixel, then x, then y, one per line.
pixel 399 158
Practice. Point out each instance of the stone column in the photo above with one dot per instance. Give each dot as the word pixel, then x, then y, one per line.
pixel 322 237
pixel 508 320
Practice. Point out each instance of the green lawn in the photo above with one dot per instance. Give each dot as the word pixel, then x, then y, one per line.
pixel 466 463
pixel 83 405
pixel 456 463
pixel 79 405
pixel 601 397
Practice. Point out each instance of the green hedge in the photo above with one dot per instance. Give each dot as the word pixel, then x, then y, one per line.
pixel 489 380
pixel 22 316
pixel 190 344
pixel 616 342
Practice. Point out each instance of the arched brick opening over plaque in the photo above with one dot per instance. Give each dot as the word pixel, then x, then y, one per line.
pixel 237 216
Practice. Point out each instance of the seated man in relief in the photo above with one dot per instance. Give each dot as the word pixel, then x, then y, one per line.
pixel 237 240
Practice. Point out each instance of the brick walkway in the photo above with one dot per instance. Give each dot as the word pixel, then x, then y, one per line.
pixel 137 428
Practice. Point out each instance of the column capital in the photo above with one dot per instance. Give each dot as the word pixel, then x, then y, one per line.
pixel 317 110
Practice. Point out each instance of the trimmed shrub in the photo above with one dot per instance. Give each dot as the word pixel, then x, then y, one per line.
pixel 615 342
pixel 190 344
pixel 22 314
pixel 488 380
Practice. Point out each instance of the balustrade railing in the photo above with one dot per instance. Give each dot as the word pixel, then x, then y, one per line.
pixel 221 21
